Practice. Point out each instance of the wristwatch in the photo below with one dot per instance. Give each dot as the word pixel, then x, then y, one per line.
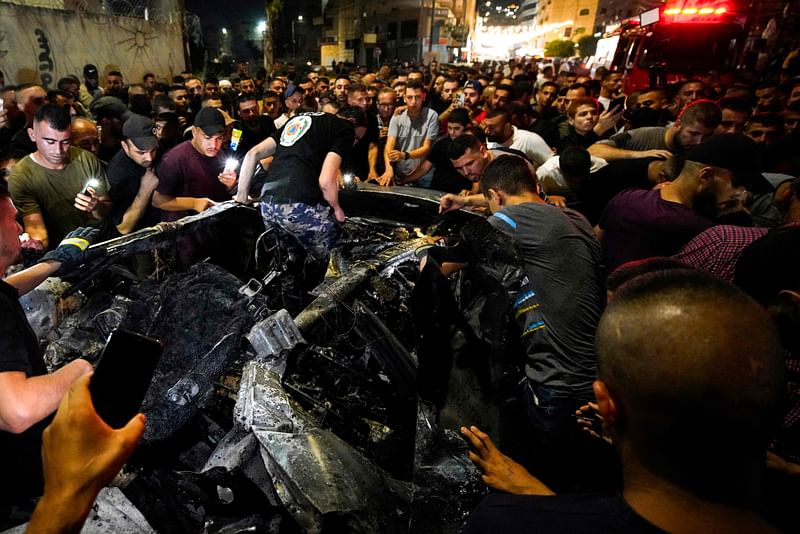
pixel 406 155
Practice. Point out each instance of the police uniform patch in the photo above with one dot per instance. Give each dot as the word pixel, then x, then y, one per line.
pixel 295 129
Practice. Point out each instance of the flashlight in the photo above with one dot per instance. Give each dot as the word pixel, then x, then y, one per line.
pixel 91 182
pixel 231 164
pixel 349 181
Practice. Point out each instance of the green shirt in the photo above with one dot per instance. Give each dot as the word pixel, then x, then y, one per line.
pixel 35 189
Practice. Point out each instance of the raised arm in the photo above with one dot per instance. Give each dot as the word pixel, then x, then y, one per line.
pixel 264 149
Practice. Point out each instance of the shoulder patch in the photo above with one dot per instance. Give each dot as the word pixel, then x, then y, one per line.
pixel 295 129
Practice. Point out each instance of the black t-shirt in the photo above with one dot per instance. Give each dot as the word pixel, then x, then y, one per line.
pixel 587 514
pixel 107 153
pixel 573 138
pixel 20 454
pixel 250 138
pixel 302 146
pixel 124 178
pixel 445 177
pixel 358 163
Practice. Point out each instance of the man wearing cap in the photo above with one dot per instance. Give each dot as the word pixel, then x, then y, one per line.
pixel 473 101
pixel 191 175
pixel 59 187
pixel 111 113
pixel 90 88
pixel 131 177
pixel 640 223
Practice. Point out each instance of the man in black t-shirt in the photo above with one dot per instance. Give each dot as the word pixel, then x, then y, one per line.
pixel 445 177
pixel 255 127
pixel 131 178
pixel 28 394
pixel 301 194
pixel 364 156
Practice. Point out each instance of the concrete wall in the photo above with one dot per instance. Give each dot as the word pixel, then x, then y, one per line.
pixel 42 45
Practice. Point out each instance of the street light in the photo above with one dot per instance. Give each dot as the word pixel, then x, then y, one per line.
pixel 294 42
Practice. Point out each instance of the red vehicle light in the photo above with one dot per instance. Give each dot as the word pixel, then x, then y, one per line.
pixel 689 13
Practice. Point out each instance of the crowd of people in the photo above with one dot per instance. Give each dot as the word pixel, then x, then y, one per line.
pixel 634 215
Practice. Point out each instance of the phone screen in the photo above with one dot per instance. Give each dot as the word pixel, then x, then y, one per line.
pixel 123 375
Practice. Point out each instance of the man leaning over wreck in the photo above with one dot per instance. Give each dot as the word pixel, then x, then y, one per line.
pixel 692 443
pixel 28 393
pixel 301 195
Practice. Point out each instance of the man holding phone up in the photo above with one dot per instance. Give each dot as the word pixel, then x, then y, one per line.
pixel 28 394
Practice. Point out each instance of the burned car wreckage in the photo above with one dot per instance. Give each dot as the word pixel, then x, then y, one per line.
pixel 278 407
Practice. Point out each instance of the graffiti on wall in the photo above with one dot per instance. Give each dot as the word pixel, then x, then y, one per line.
pixel 46 64
pixel 49 44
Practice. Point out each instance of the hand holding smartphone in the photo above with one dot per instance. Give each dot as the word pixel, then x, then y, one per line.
pixel 123 375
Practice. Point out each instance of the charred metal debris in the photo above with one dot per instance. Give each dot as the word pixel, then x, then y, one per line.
pixel 280 405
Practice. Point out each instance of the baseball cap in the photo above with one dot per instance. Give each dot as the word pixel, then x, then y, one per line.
pixel 90 71
pixel 169 117
pixel 139 129
pixel 110 107
pixel 737 153
pixel 474 84
pixel 292 89
pixel 210 120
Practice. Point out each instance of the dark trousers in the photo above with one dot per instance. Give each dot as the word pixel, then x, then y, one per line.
pixel 566 458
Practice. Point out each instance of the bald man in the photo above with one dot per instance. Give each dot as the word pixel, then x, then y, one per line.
pixel 690 385
pixel 85 135
pixel 29 98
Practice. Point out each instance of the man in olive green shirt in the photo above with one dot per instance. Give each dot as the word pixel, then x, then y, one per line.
pixel 57 188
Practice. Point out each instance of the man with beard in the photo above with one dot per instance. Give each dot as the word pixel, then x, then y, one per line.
pixel 191 175
pixel 255 127
pixel 695 124
pixel 641 223
pixel 501 133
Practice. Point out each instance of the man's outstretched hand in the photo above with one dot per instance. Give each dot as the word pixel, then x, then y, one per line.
pixel 499 471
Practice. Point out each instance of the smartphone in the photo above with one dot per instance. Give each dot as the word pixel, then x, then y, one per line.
pixel 460 99
pixel 123 375
pixel 617 103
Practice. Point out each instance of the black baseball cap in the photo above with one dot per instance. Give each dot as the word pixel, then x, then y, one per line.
pixel 737 153
pixel 210 120
pixel 90 71
pixel 139 129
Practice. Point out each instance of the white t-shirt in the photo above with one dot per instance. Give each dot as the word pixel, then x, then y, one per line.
pixel 529 143
pixel 551 179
